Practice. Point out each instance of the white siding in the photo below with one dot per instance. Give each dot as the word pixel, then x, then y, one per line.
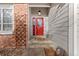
pixel 59 25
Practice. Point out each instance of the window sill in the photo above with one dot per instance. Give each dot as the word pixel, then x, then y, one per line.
pixel 6 33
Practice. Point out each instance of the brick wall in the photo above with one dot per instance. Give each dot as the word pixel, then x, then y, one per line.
pixel 21 30
pixel 7 41
pixel 20 36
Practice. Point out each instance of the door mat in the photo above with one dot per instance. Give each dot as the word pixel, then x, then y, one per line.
pixel 36 52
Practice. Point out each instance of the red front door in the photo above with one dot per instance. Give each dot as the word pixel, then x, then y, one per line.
pixel 39 26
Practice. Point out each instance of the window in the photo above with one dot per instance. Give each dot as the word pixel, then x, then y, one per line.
pixel 6 20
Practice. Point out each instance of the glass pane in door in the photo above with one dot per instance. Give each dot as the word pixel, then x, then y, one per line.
pixel 39 22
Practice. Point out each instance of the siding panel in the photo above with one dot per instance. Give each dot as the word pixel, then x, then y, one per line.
pixel 59 25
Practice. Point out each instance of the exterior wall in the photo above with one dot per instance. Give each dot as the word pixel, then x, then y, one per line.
pixel 21 24
pixel 7 41
pixel 44 11
pixel 20 35
pixel 59 25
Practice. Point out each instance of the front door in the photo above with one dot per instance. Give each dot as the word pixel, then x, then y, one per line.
pixel 38 26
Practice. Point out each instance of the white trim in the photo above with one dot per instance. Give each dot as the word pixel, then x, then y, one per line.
pixel 1 20
pixel 39 6
pixel 71 29
pixel 75 31
pixel 8 32
pixel 13 20
pixel 6 6
pixel 27 24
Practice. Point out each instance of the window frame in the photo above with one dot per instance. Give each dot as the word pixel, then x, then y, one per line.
pixel 10 31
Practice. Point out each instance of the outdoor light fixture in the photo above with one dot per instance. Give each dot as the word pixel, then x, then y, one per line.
pixel 39 12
